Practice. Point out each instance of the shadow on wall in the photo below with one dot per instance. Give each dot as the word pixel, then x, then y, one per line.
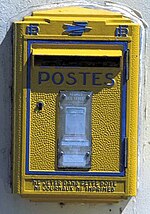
pixel 5 114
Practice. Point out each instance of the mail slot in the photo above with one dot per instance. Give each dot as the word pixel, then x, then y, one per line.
pixel 75 106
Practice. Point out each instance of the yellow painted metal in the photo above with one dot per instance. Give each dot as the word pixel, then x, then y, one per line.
pixel 76 52
pixel 39 155
pixel 105 147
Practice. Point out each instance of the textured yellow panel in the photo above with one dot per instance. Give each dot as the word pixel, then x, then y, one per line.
pixel 105 130
pixel 106 114
pixel 43 135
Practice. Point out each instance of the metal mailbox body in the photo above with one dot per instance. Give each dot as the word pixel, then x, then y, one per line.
pixel 75 105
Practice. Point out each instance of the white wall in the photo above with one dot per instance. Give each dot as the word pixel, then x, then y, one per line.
pixel 12 204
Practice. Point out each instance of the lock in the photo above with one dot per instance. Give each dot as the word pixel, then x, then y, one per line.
pixel 40 105
pixel 75 106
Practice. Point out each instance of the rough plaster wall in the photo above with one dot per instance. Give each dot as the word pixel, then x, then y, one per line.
pixel 12 204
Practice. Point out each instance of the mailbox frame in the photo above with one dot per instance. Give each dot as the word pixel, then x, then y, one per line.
pixel 40 185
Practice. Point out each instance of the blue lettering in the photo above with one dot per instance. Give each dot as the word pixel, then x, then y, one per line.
pixel 61 78
pixel 71 76
pixel 109 76
pixel 95 78
pixel 58 78
pixel 43 77
pixel 84 76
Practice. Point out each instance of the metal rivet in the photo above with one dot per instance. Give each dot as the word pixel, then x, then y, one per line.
pixel 87 154
pixel 61 153
pixel 63 96
pixel 88 96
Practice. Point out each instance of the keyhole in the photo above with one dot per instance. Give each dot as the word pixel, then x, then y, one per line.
pixel 40 105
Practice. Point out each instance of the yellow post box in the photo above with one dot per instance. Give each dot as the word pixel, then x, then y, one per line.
pixel 75 105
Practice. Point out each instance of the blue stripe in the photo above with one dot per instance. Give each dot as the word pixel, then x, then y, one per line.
pixel 123 114
pixel 123 106
pixel 28 108
pixel 81 173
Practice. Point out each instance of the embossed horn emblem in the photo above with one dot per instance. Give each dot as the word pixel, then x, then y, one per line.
pixel 76 29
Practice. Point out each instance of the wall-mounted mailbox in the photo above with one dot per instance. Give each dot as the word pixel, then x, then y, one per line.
pixel 75 105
